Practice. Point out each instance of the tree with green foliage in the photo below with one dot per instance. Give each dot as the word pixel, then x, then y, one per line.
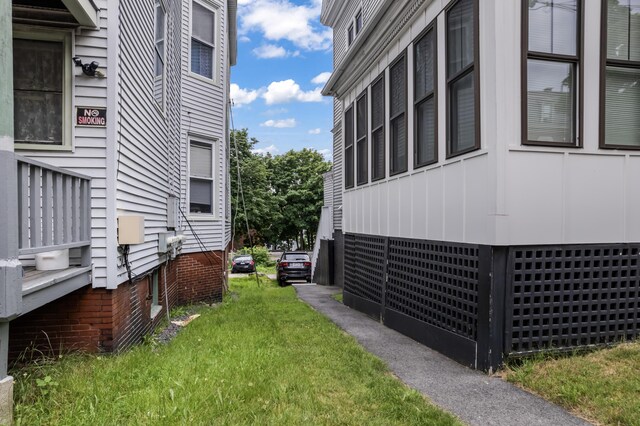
pixel 296 179
pixel 283 194
pixel 261 205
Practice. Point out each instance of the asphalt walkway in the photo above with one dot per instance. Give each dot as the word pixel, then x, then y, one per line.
pixel 475 398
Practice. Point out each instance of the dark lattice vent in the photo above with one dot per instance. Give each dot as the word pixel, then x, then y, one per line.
pixel 364 261
pixel 566 297
pixel 435 282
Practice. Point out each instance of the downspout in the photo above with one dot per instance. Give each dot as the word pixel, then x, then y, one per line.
pixel 232 8
pixel 10 267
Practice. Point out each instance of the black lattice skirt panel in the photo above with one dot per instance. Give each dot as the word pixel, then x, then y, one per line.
pixel 572 296
pixel 434 282
pixel 364 262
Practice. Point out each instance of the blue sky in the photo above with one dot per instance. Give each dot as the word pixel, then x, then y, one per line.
pixel 284 59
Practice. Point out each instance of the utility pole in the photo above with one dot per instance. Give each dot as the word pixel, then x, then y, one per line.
pixel 10 267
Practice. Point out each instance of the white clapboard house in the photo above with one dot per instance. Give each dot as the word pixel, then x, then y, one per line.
pixel 486 171
pixel 114 160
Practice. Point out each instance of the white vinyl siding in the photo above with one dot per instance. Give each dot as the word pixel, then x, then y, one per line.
pixel 160 55
pixel 204 112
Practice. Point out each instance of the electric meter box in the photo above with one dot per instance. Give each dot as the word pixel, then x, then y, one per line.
pixel 130 230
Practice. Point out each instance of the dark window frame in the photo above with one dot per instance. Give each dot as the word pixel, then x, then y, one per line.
pixel 392 171
pixel 381 128
pixel 417 102
pixel 348 165
pixel 471 68
pixel 604 63
pixel 350 35
pixel 359 23
pixel 362 139
pixel 576 61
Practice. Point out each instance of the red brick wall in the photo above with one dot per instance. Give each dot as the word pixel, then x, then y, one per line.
pixel 100 320
pixel 200 277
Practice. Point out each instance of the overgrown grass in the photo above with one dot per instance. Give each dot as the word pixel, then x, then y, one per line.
pixel 603 386
pixel 338 297
pixel 263 357
pixel 271 270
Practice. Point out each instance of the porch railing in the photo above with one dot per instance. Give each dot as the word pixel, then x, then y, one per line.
pixel 54 207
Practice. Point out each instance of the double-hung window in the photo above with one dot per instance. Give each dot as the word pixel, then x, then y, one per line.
pixel 398 117
pixel 462 78
pixel 348 148
pixel 551 65
pixel 362 128
pixel 377 129
pixel 203 30
pixel 42 90
pixel 424 62
pixel 160 31
pixel 620 101
pixel 201 177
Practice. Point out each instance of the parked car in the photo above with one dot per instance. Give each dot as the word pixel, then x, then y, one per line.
pixel 243 263
pixel 293 265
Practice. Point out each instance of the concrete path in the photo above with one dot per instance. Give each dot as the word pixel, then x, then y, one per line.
pixel 474 397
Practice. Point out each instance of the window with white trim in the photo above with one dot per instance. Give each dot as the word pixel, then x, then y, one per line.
pixel 203 30
pixel 160 49
pixel 355 27
pixel 42 90
pixel 201 172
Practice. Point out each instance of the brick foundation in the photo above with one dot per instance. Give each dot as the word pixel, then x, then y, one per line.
pixel 101 320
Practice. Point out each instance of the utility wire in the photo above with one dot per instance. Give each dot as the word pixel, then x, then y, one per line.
pixel 240 190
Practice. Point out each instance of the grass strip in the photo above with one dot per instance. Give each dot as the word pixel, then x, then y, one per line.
pixel 602 386
pixel 263 357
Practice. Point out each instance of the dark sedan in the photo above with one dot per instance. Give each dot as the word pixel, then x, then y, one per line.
pixel 243 263
pixel 293 265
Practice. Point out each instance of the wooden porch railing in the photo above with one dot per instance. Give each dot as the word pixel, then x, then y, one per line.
pixel 54 207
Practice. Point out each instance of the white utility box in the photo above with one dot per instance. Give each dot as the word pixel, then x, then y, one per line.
pixel 130 230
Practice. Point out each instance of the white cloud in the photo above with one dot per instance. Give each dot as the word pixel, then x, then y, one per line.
pixel 282 20
pixel 244 39
pixel 270 51
pixel 315 131
pixel 242 96
pixel 271 149
pixel 280 92
pixel 280 124
pixel 275 111
pixel 327 154
pixel 321 78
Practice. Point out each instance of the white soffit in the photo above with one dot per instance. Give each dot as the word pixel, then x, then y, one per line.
pixel 84 11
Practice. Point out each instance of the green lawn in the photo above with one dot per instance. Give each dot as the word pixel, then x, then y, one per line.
pixel 263 357
pixel 603 386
